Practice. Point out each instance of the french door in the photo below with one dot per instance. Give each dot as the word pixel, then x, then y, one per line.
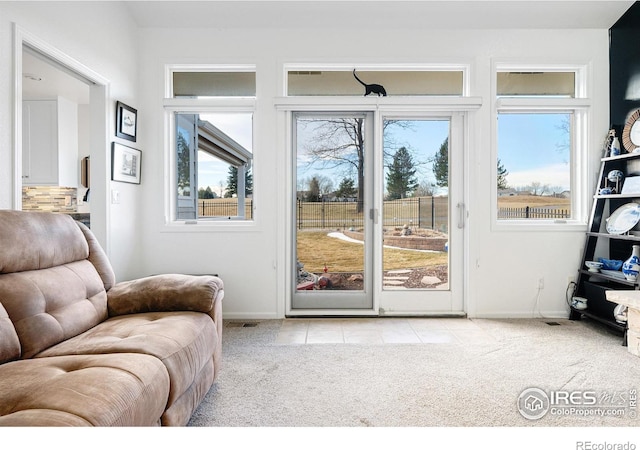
pixel 378 212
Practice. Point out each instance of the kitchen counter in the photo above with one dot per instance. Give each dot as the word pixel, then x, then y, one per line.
pixel 85 218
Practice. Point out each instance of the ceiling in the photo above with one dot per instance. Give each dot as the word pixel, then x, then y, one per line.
pixel 42 79
pixel 362 14
pixel 332 14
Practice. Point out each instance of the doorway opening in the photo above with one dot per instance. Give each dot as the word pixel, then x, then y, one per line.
pixel 375 198
pixel 44 73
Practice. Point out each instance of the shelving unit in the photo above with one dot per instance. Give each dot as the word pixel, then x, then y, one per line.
pixel 602 244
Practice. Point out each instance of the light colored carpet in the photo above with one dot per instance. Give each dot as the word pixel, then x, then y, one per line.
pixel 264 383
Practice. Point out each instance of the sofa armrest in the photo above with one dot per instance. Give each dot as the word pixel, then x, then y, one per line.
pixel 168 292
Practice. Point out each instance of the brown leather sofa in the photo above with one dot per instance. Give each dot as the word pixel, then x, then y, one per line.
pixel 79 349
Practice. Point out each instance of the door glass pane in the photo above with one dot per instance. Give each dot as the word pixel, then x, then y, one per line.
pixel 415 216
pixel 330 203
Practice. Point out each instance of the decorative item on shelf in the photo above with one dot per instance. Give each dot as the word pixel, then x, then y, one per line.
pixel 620 314
pixel 579 303
pixel 610 264
pixel 606 191
pixel 606 145
pixel 615 144
pixel 631 185
pixel 631 267
pixel 615 176
pixel 594 266
pixel 631 132
pixel 624 218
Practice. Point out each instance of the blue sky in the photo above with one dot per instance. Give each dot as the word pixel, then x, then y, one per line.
pixel 534 148
pixel 530 148
pixel 423 138
pixel 211 171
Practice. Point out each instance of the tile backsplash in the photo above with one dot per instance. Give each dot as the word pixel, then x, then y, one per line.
pixel 49 198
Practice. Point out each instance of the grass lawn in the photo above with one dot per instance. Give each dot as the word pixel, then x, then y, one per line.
pixel 533 201
pixel 315 249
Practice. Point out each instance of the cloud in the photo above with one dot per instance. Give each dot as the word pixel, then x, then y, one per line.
pixel 552 175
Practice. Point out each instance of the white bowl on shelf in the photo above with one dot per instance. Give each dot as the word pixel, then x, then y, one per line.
pixel 594 266
pixel 579 303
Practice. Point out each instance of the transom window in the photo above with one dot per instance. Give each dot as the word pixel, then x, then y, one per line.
pixel 395 82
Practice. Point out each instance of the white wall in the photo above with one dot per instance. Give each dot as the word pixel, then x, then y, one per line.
pixel 102 37
pixel 504 267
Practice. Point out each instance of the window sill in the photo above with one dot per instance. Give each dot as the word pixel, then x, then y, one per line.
pixel 557 225
pixel 210 226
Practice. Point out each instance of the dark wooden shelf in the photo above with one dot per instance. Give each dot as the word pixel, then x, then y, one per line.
pixel 579 313
pixel 621 157
pixel 614 196
pixel 603 276
pixel 623 237
pixel 598 242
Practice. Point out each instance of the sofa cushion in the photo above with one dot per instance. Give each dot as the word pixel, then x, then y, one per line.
pixel 9 343
pixel 50 305
pixel 35 240
pixel 166 292
pixel 98 257
pixel 93 390
pixel 183 341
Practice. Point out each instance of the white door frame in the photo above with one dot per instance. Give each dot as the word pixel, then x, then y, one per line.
pixel 459 106
pixel 417 302
pixel 99 108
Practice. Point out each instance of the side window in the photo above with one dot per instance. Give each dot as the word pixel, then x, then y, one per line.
pixel 537 135
pixel 212 147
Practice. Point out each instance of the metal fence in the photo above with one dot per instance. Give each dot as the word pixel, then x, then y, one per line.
pixel 533 213
pixel 223 208
pixel 423 212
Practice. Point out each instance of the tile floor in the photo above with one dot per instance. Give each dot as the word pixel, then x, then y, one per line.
pixel 381 331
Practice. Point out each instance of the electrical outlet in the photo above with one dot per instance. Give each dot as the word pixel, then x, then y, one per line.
pixel 541 283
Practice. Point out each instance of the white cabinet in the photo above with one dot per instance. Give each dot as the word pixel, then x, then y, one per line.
pixel 50 143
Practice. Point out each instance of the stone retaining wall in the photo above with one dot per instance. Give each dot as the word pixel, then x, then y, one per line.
pixel 412 242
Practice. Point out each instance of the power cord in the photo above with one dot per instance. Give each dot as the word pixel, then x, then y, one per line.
pixel 573 291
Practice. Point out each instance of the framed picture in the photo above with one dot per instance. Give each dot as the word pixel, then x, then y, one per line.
pixel 126 122
pixel 125 163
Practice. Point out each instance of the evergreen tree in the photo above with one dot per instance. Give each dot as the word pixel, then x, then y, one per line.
pixel 346 189
pixel 232 182
pixel 441 165
pixel 206 193
pixel 401 180
pixel 502 176
pixel 184 166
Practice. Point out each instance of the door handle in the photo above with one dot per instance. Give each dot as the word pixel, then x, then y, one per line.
pixel 373 215
pixel 461 214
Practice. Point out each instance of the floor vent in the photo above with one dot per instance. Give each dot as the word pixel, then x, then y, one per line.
pixel 553 324
pixel 242 324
